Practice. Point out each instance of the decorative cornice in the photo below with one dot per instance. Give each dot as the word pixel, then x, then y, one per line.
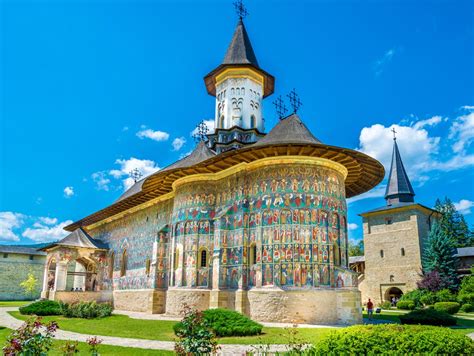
pixel 240 72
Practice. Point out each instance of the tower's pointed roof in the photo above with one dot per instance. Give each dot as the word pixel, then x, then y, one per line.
pixel 240 50
pixel 290 130
pixel 399 189
pixel 240 54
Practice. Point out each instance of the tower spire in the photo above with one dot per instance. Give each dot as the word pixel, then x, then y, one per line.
pixel 399 189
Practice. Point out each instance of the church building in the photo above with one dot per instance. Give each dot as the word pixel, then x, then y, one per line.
pixel 394 239
pixel 251 221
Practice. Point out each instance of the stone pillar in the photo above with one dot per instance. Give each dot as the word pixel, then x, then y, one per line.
pixel 218 298
pixel 45 290
pixel 79 280
pixel 60 277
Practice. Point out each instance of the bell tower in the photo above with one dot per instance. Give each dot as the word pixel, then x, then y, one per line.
pixel 239 86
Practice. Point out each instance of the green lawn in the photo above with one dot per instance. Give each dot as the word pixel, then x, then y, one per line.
pixel 123 326
pixel 465 326
pixel 84 348
pixel 14 303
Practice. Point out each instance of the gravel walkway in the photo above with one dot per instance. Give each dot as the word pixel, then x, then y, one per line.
pixel 12 323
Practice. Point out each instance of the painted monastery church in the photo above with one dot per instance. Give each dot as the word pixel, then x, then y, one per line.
pixel 250 221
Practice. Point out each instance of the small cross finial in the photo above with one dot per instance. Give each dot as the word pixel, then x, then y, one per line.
pixel 135 174
pixel 280 107
pixel 240 9
pixel 201 132
pixel 394 133
pixel 295 101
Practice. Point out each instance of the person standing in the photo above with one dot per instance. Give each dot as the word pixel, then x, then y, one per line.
pixel 370 309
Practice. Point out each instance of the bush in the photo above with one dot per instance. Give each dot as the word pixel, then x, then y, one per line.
pixel 447 307
pixel 428 317
pixel 41 308
pixel 466 298
pixel 224 322
pixel 445 295
pixel 467 308
pixel 385 305
pixel 86 310
pixel 466 292
pixel 428 299
pixel 414 296
pixel 406 304
pixel 392 339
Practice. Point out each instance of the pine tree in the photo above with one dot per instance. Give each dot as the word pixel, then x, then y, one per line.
pixel 453 224
pixel 438 256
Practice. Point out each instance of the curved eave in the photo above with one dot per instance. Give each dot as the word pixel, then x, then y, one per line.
pixel 210 79
pixel 364 173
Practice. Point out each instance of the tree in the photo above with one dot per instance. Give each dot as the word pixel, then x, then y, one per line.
pixel 29 284
pixel 453 224
pixel 356 249
pixel 438 256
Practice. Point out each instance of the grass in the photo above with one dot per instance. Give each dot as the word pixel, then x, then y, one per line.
pixel 123 326
pixel 84 348
pixel 14 303
pixel 465 326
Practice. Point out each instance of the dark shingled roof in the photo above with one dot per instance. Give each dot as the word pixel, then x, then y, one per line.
pixel 399 188
pixel 199 154
pixel 240 50
pixel 20 250
pixel 78 238
pixel 289 130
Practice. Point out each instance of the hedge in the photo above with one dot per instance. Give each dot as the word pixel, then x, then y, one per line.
pixel 447 307
pixel 390 339
pixel 226 322
pixel 406 304
pixel 41 308
pixel 467 308
pixel 86 310
pixel 428 317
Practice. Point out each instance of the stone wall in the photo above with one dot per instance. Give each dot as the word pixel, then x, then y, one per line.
pixel 75 297
pixel 177 298
pixel 142 300
pixel 14 269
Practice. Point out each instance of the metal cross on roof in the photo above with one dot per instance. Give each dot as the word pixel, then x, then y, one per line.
pixel 135 174
pixel 280 107
pixel 240 9
pixel 295 101
pixel 394 133
pixel 201 132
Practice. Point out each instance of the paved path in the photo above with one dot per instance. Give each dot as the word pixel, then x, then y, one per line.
pixel 12 323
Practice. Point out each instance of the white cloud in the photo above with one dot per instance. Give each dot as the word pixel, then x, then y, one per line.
pixel 464 206
pixel 101 180
pixel 462 131
pixel 153 135
pixel 125 128
pixel 10 221
pixel 68 192
pixel 47 220
pixel 433 121
pixel 182 155
pixel 381 63
pixel 377 192
pixel 43 233
pixel 145 166
pixel 210 126
pixel 352 226
pixel 178 142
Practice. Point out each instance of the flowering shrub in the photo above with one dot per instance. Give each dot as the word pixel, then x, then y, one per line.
pixel 70 348
pixel 195 337
pixel 94 343
pixel 29 339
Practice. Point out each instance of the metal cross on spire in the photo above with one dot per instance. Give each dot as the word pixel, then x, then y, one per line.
pixel 295 101
pixel 394 133
pixel 280 107
pixel 240 9
pixel 200 132
pixel 135 174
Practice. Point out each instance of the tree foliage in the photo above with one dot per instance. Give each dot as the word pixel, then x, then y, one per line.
pixel 453 224
pixel 439 256
pixel 356 248
pixel 29 284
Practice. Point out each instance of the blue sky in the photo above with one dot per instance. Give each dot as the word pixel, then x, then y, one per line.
pixel 91 89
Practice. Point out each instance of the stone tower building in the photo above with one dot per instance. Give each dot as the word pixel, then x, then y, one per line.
pixel 394 238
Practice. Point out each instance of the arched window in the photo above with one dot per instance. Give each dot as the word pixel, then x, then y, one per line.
pixel 203 256
pixel 222 121
pixel 381 253
pixel 402 251
pixel 123 266
pixel 147 266
pixel 252 254
pixel 252 121
pixel 111 265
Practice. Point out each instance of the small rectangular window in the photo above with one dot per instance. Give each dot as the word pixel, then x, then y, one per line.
pixel 32 257
pixel 388 221
pixel 381 253
pixel 5 255
pixel 402 251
